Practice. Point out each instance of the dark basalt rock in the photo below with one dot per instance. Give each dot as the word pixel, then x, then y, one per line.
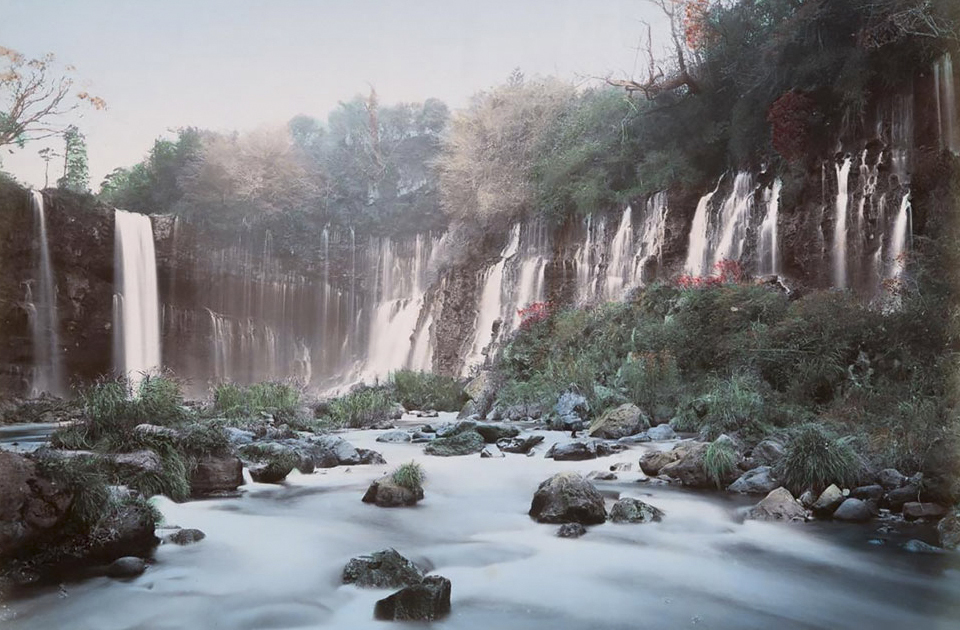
pixel 466 443
pixel 629 510
pixel 571 530
pixel 385 492
pixel 185 536
pixel 519 445
pixel 382 569
pixel 427 601
pixel 568 498
pixel 214 474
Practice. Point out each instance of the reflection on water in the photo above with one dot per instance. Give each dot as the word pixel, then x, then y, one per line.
pixel 272 559
pixel 26 437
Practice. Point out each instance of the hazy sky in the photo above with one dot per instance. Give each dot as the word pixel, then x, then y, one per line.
pixel 240 64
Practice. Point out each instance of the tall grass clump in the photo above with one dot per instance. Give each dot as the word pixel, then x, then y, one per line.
pixel 409 475
pixel 734 404
pixel 280 400
pixel 423 390
pixel 650 379
pixel 87 480
pixel 360 408
pixel 720 462
pixel 815 459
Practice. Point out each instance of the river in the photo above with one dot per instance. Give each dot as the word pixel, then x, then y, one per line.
pixel 273 557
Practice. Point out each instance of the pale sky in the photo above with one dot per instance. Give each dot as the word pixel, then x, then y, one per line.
pixel 242 64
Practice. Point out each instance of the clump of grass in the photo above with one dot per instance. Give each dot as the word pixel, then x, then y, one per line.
pixel 815 459
pixel 650 379
pixel 87 480
pixel 735 404
pixel 360 408
pixel 423 390
pixel 720 461
pixel 409 475
pixel 280 400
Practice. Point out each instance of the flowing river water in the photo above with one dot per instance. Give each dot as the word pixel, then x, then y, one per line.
pixel 273 557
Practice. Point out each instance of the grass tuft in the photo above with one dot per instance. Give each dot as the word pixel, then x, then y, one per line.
pixel 409 475
pixel 815 459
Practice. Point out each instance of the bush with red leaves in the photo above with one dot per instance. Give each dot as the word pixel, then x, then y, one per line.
pixel 790 117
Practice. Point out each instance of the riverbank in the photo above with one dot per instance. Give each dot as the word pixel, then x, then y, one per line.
pixel 273 557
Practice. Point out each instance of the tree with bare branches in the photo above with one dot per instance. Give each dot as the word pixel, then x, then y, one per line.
pixel 35 97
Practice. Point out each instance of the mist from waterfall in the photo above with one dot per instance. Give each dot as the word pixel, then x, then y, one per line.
pixel 768 247
pixel 899 239
pixel 42 309
pixel 137 308
pixel 840 223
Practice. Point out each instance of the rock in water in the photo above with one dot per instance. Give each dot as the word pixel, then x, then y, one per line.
pixel 185 536
pixel 519 445
pixel 757 481
pixel 492 433
pixel 216 474
pixel 918 546
pixel 662 433
pixel 491 451
pixel 688 466
pixel 570 410
pixel 127 566
pixel 767 452
pixel 571 530
pixel 619 422
pixel 854 511
pixel 568 498
pixel 868 493
pixel 382 569
pixel 891 479
pixel 466 443
pixel 828 501
pixel 394 437
pixel 384 492
pixel 30 506
pixel 426 601
pixel 914 510
pixel 629 510
pixel 779 505
pixel 949 531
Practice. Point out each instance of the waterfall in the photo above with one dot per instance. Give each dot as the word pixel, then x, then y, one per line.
pixel 618 261
pixel 490 308
pixel 899 239
pixel 945 86
pixel 698 246
pixel 585 260
pixel 653 231
pixel 768 250
pixel 533 261
pixel 840 224
pixel 42 310
pixel 734 220
pixel 139 311
pixel 901 135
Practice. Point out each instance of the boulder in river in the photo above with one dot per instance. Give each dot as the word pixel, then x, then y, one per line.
pixel 622 421
pixel 492 433
pixel 490 451
pixel 385 492
pixel 570 412
pixel 30 505
pixel 688 466
pixel 629 510
pixel 519 445
pixel 214 474
pixel 828 501
pixel 427 601
pixel 891 478
pixel 662 433
pixel 466 443
pixel 571 530
pixel 394 437
pixel 568 498
pixel 949 531
pixel 868 493
pixel 185 536
pixel 854 511
pixel 767 453
pixel 779 505
pixel 914 510
pixel 382 569
pixel 757 481
pixel 896 498
pixel 579 450
pixel 128 566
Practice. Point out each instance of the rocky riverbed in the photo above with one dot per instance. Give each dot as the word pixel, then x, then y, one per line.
pixel 273 557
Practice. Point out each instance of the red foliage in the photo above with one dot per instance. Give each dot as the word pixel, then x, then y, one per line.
pixel 696 27
pixel 724 272
pixel 790 117
pixel 533 313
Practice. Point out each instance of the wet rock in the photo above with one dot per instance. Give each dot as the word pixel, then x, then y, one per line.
pixel 828 501
pixel 767 453
pixel 491 451
pixel 652 462
pixel 867 493
pixel 469 410
pixel 239 437
pixel 948 530
pixel 394 437
pixel 30 505
pixel 126 567
pixel 918 546
pixel 621 467
pixel 662 433
pixel 808 498
pixel 493 433
pixel 427 601
pixel 570 412
pixel 420 437
pixel 600 475
pixel 914 510
pixel 382 569
pixel 428 413
pixel 214 474
pixel 466 443
pixel 622 421
pixel 451 429
pixel 779 505
pixel 137 462
pixel 639 438
pixel 273 471
pixel 895 498
pixel 384 492
pixel 757 481
pixel 568 498
pixel 342 450
pixel 571 530
pixel 515 413
pixel 184 536
pixel 519 445
pixel 396 412
pixel 629 510
pixel 370 458
pixel 688 466
pixel 580 450
pixel 853 510
pixel 891 479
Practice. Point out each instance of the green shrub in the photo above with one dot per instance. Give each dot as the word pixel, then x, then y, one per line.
pixel 735 404
pixel 650 379
pixel 720 462
pixel 815 459
pixel 423 390
pixel 88 480
pixel 280 400
pixel 409 475
pixel 360 408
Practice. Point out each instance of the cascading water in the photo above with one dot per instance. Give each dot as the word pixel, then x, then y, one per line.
pixel 768 247
pixel 619 265
pixel 840 224
pixel 945 86
pixel 42 309
pixel 137 309
pixel 734 220
pixel 652 235
pixel 899 239
pixel 698 246
pixel 490 307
